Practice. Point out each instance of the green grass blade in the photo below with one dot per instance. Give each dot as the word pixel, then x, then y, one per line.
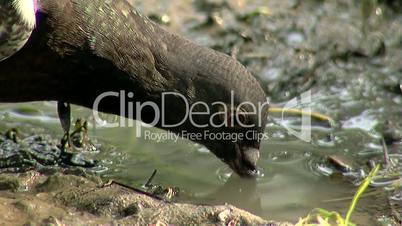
pixel 359 192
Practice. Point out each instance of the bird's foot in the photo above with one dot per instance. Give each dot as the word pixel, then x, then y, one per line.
pixel 79 136
pixel 64 111
pixel 72 144
pixel 78 140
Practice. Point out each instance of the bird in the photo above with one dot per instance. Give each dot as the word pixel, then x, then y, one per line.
pixel 80 49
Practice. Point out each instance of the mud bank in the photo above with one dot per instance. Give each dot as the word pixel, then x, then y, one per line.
pixel 34 198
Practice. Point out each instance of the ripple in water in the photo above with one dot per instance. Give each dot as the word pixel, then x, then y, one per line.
pixel 391 176
pixel 224 173
pixel 319 167
pixel 397 197
pixel 287 156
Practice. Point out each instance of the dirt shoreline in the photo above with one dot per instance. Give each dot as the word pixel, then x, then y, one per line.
pixel 33 198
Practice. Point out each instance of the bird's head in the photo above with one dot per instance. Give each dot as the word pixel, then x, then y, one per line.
pixel 227 106
pixel 229 123
pixel 237 140
pixel 239 104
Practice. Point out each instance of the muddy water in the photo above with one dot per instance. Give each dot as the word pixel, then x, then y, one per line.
pixel 347 60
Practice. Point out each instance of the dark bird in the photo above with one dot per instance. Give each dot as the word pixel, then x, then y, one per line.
pixel 80 49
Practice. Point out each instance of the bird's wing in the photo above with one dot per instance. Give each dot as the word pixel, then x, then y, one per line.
pixel 112 30
pixel 83 48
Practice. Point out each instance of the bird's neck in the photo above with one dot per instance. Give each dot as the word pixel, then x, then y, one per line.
pixel 201 73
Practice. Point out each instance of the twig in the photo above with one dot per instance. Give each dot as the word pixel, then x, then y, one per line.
pixel 294 111
pixel 148 184
pixel 385 151
pixel 133 189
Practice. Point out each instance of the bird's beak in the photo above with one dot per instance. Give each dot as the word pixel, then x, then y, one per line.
pixel 245 163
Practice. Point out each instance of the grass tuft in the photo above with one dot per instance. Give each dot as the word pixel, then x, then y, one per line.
pixel 322 217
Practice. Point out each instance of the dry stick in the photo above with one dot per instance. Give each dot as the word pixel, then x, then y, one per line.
pixel 343 199
pixel 150 179
pixel 139 190
pixel 385 151
pixel 318 116
pixel 133 189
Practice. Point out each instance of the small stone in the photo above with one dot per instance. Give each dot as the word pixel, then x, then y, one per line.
pixel 339 163
pixel 53 221
pixel 159 223
pixel 224 215
pixel 232 223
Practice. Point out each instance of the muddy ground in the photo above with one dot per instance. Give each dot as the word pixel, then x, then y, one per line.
pixel 34 198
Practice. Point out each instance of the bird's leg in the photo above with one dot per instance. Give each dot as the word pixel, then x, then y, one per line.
pixel 69 156
pixel 79 136
pixel 64 111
